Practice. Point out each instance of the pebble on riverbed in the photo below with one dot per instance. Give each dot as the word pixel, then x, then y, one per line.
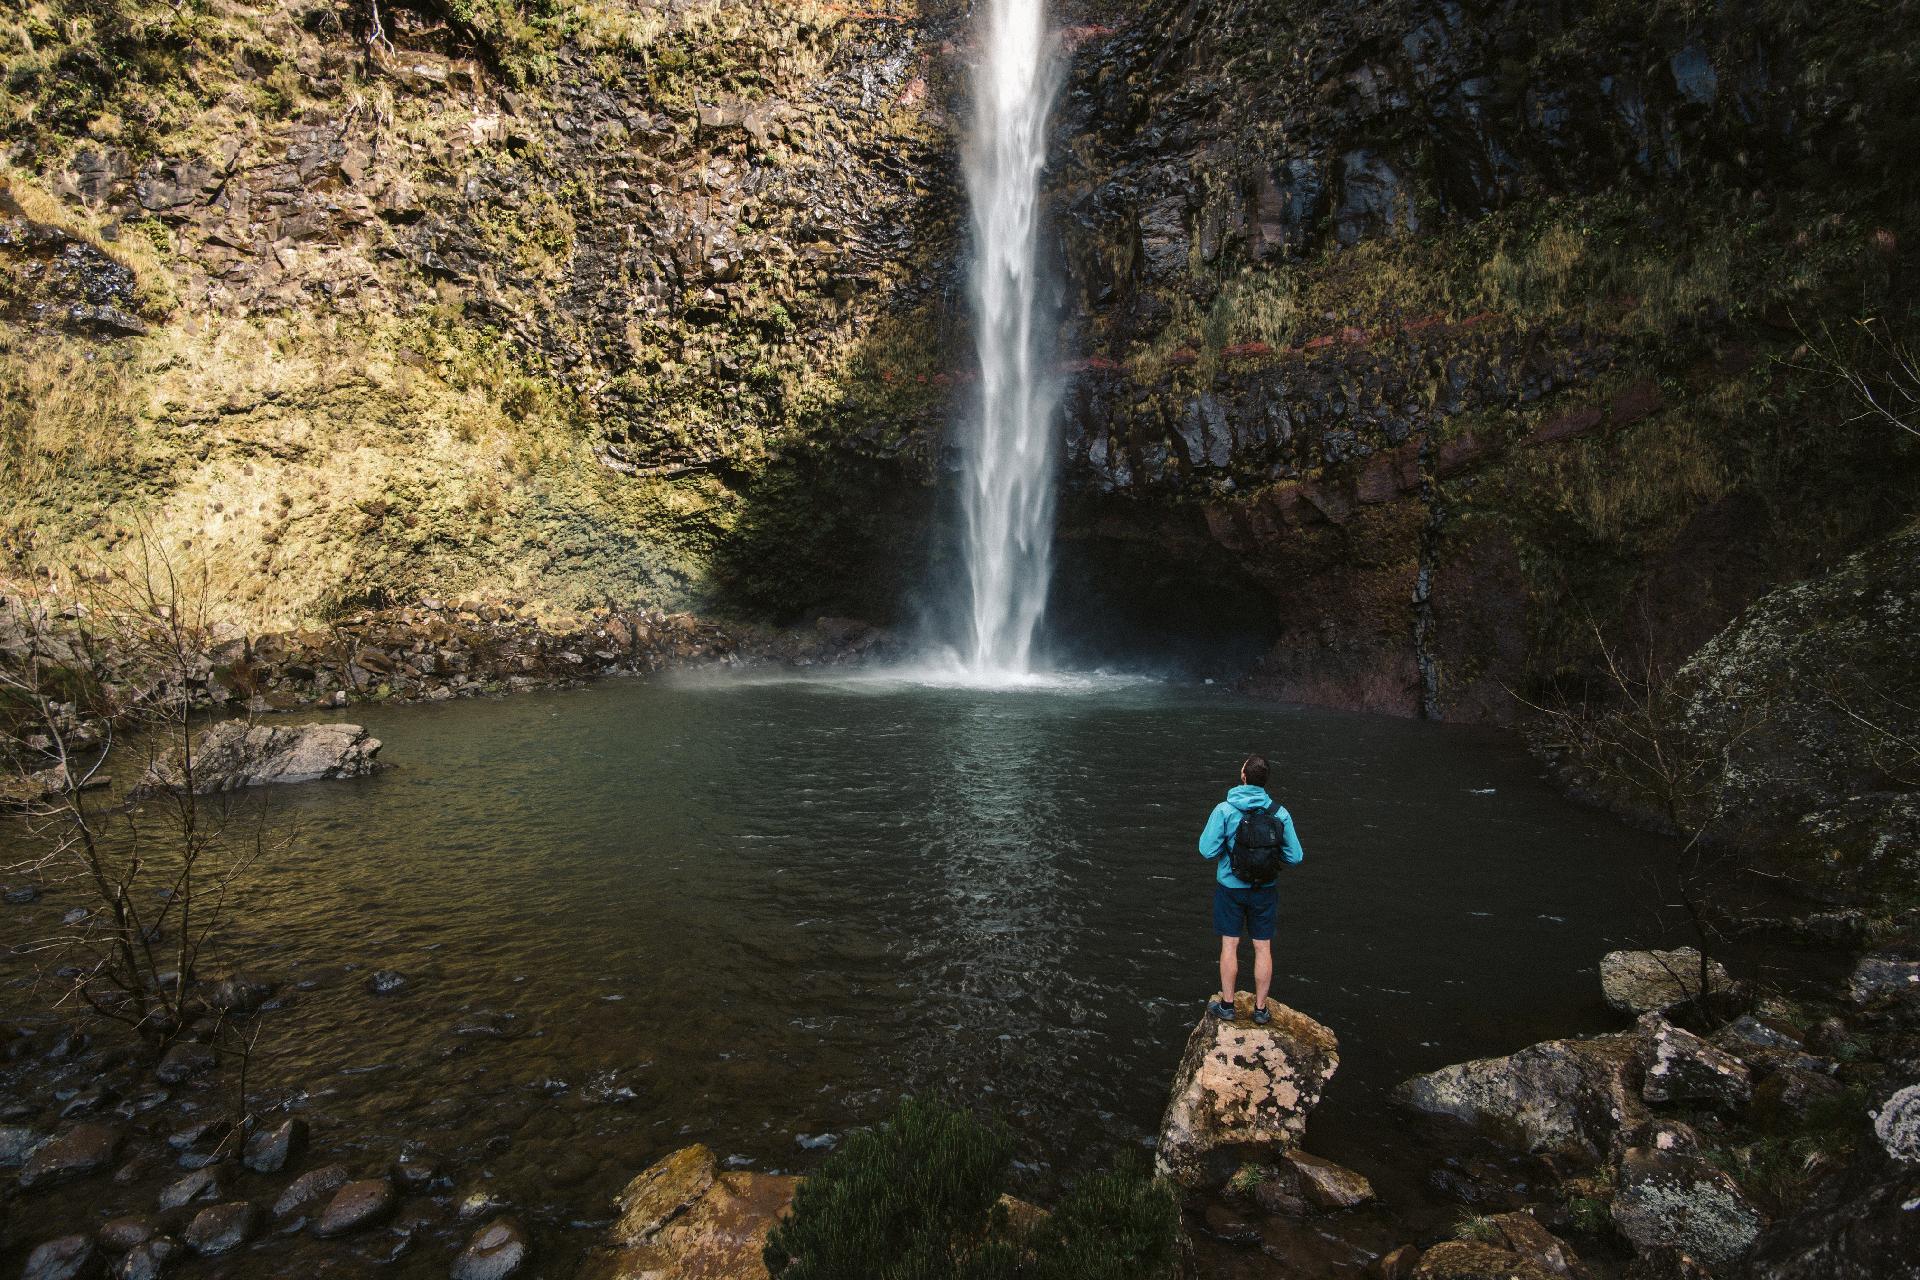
pixel 62 1259
pixel 82 1150
pixel 309 1189
pixel 356 1205
pixel 221 1228
pixel 268 1150
pixel 495 1252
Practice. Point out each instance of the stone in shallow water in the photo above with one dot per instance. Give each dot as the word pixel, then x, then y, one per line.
pixel 82 1150
pixel 201 1184
pixel 268 1150
pixel 148 1261
pixel 221 1228
pixel 1328 1185
pixel 495 1252
pixel 309 1189
pixel 683 1220
pixel 62 1259
pixel 356 1205
pixel 16 1144
pixel 122 1234
pixel 1560 1097
pixel 236 754
pixel 1240 1086
pixel 185 1061
pixel 1639 982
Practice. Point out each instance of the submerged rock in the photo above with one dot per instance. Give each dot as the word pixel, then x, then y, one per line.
pixel 1563 1098
pixel 683 1219
pixel 495 1252
pixel 82 1150
pixel 235 754
pixel 356 1205
pixel 63 1259
pixel 122 1234
pixel 148 1260
pixel 268 1150
pixel 221 1228
pixel 1670 1199
pixel 1241 1087
pixel 184 1061
pixel 1639 982
pixel 1327 1185
pixel 309 1189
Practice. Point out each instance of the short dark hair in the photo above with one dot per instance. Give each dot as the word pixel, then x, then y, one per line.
pixel 1255 769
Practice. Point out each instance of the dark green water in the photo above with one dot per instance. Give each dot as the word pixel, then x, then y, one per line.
pixel 769 908
pixel 754 913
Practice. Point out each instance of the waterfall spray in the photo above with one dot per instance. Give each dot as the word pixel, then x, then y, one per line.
pixel 1008 496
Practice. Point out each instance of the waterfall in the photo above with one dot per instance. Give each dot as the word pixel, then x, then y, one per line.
pixel 1008 478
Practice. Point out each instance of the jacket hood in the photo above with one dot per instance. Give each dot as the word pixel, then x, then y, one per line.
pixel 1246 797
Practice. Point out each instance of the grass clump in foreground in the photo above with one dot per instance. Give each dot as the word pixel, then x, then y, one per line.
pixel 918 1197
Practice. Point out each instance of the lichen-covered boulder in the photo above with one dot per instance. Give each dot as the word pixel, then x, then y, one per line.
pixel 1243 1091
pixel 1678 1066
pixel 1880 980
pixel 1564 1098
pixel 1639 982
pixel 1671 1199
pixel 1474 1260
pixel 235 754
pixel 683 1219
pixel 1897 1125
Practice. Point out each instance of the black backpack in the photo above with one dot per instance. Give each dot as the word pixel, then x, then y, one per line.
pixel 1255 850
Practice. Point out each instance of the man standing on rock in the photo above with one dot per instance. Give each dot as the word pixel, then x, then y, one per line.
pixel 1248 837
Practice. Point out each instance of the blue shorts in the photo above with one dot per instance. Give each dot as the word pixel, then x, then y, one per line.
pixel 1245 913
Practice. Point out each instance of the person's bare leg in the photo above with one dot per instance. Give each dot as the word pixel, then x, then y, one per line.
pixel 1262 971
pixel 1229 967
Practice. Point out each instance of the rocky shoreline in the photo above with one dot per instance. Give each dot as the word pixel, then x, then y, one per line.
pixel 430 651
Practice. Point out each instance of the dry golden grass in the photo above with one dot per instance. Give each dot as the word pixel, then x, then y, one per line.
pixel 153 281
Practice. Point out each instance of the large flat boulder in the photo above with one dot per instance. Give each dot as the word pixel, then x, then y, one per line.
pixel 683 1219
pixel 1640 982
pixel 1243 1091
pixel 235 754
pixel 1563 1098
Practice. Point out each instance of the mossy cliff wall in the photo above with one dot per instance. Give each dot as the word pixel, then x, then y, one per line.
pixel 1408 341
pixel 508 299
pixel 1464 327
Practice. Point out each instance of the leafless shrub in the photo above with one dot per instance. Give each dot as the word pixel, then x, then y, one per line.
pixel 101 684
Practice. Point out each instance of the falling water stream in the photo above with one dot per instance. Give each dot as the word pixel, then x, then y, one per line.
pixel 1008 497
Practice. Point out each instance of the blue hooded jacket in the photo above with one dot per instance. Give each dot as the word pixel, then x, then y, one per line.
pixel 1225 820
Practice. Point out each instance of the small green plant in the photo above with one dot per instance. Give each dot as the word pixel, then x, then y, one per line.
pixel 1478 1227
pixel 1591 1215
pixel 919 1197
pixel 1246 1178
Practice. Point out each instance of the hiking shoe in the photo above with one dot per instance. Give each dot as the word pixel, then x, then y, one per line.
pixel 1221 1010
pixel 1262 1016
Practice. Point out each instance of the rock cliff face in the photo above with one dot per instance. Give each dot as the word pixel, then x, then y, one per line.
pixel 1410 341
